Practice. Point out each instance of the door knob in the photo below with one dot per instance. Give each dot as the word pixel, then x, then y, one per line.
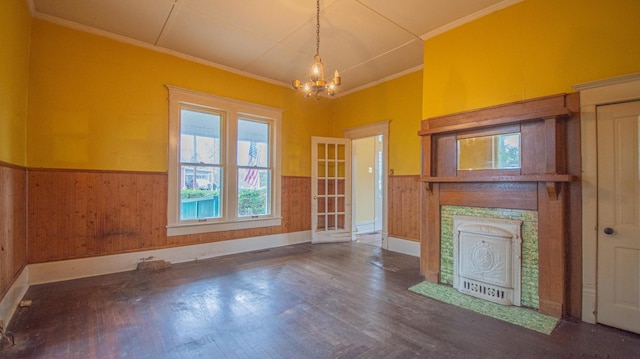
pixel 608 231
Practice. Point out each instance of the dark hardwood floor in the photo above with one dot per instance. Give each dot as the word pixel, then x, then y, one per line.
pixel 305 301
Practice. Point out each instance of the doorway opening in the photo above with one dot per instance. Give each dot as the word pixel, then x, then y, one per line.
pixel 367 189
pixel 369 183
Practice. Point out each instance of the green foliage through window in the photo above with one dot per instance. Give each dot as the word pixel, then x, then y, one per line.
pixel 196 193
pixel 252 202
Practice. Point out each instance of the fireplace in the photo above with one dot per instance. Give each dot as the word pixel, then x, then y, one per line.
pixel 487 258
pixel 545 182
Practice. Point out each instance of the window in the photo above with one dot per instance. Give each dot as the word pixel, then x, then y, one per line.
pixel 223 164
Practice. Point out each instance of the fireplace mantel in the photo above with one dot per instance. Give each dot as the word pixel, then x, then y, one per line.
pixel 540 121
pixel 547 182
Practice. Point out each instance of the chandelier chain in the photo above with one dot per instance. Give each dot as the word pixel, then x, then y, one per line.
pixel 318 28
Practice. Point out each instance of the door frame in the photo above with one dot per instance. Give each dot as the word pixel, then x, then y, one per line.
pixel 374 129
pixel 594 94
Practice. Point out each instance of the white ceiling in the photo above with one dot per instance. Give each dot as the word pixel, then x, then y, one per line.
pixel 274 40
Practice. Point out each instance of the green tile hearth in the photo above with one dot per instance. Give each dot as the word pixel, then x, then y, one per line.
pixel 516 315
pixel 529 235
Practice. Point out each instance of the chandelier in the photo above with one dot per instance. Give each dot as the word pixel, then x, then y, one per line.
pixel 317 84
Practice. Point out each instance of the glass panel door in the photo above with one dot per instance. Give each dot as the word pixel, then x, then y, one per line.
pixel 331 189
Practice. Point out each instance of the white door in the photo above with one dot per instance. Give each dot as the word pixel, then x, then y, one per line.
pixel 330 189
pixel 618 216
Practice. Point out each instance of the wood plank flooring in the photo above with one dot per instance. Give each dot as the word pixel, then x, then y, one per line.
pixel 344 300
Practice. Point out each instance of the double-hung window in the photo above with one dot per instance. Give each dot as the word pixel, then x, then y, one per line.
pixel 224 171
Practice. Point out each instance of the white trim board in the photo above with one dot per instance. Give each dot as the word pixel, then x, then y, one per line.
pixel 469 18
pixel 365 227
pixel 48 272
pixel 403 246
pixel 11 300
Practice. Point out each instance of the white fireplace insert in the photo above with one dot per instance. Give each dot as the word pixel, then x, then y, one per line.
pixel 487 258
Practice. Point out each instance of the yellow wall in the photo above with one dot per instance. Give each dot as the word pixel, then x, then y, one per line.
pixel 96 103
pixel 15 23
pixel 398 101
pixel 532 49
pixel 365 187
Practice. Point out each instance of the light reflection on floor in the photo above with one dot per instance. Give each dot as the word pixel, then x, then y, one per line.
pixel 372 239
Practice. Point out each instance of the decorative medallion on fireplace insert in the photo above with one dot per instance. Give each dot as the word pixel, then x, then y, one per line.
pixel 487 258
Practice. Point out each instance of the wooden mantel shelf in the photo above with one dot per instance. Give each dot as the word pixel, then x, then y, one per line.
pixel 519 178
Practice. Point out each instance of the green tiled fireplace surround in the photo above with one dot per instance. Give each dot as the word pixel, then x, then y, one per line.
pixel 529 245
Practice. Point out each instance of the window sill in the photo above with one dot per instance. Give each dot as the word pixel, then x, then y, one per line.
pixel 204 227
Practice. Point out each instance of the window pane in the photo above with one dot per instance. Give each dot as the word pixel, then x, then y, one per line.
pixel 254 192
pixel 322 169
pixel 253 144
pixel 199 137
pixel 341 152
pixel 322 225
pixel 200 192
pixel 254 174
pixel 321 151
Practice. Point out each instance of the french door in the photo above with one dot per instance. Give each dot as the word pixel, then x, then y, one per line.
pixel 330 189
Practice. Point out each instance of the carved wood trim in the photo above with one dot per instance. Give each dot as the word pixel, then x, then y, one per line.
pixel 515 112
pixel 553 190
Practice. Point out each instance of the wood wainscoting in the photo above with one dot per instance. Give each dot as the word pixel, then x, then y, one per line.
pixel 13 224
pixel 548 181
pixel 404 207
pixel 83 213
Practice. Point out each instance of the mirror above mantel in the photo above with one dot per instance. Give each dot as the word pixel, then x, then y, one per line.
pixel 493 152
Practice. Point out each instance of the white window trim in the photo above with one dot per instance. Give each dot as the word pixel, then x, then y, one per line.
pixel 234 109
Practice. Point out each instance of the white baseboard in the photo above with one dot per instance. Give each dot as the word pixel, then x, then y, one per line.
pixel 403 246
pixel 365 227
pixel 87 267
pixel 12 299
pixel 57 271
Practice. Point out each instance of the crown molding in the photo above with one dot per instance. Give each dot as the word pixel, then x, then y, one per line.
pixel 469 18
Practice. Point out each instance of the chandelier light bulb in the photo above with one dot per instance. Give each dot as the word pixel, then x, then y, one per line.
pixel 317 84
